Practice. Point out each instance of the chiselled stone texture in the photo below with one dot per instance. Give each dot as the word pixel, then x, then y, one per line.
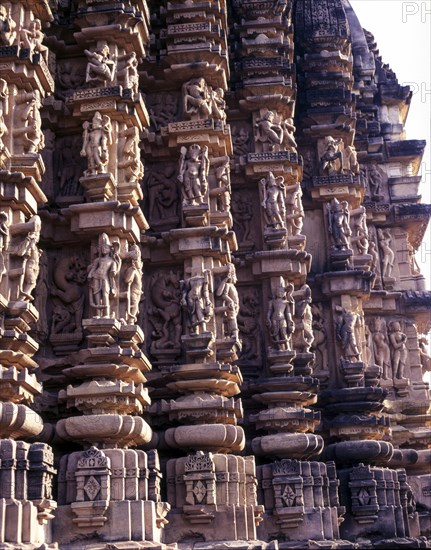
pixel 212 321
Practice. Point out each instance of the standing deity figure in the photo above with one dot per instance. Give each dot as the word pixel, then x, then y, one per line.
pixel 195 298
pixel 229 295
pixel 32 38
pixel 338 223
pixel 100 66
pixel 397 340
pixel 4 241
pixel 7 27
pixel 295 210
pixel 274 201
pixel 193 174
pixel 279 318
pixel 330 161
pixel 382 352
pixel 101 275
pixel 97 136
pixel 388 255
pixel 197 101
pixel 133 280
pixel 30 254
pixel 29 122
pixel 4 92
pixel 348 334
pixel 127 71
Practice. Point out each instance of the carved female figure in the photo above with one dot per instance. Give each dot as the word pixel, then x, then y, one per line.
pixel 30 253
pixel 281 309
pixel 398 340
pixel 229 294
pixel 274 200
pixel 382 353
pixel 338 223
pixel 133 280
pixel 320 337
pixel 388 255
pixel 193 174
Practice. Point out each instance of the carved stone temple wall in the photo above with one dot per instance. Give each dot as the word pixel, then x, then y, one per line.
pixel 213 328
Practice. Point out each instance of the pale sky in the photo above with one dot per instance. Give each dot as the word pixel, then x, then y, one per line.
pixel 402 31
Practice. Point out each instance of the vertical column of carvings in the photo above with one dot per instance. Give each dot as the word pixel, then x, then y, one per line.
pixel 267 187
pixel 397 315
pixel 192 279
pixel 341 276
pixel 94 335
pixel 26 470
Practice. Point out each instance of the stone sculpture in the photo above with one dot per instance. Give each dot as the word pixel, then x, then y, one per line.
pixel 28 122
pixel 274 201
pixel 69 276
pixel 399 352
pixel 382 354
pixel 101 67
pixel 195 298
pixel 3 110
pixel 96 139
pixel 388 255
pixel 228 293
pixel 30 254
pixel 274 134
pixel 338 224
pixel 133 279
pixel 197 101
pixel 127 71
pixel 7 27
pixel 348 327
pixel 279 320
pixel 193 174
pixel 129 155
pixel 31 38
pixel 4 242
pixel 295 210
pixel 165 310
pixel 330 161
pixel 102 273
